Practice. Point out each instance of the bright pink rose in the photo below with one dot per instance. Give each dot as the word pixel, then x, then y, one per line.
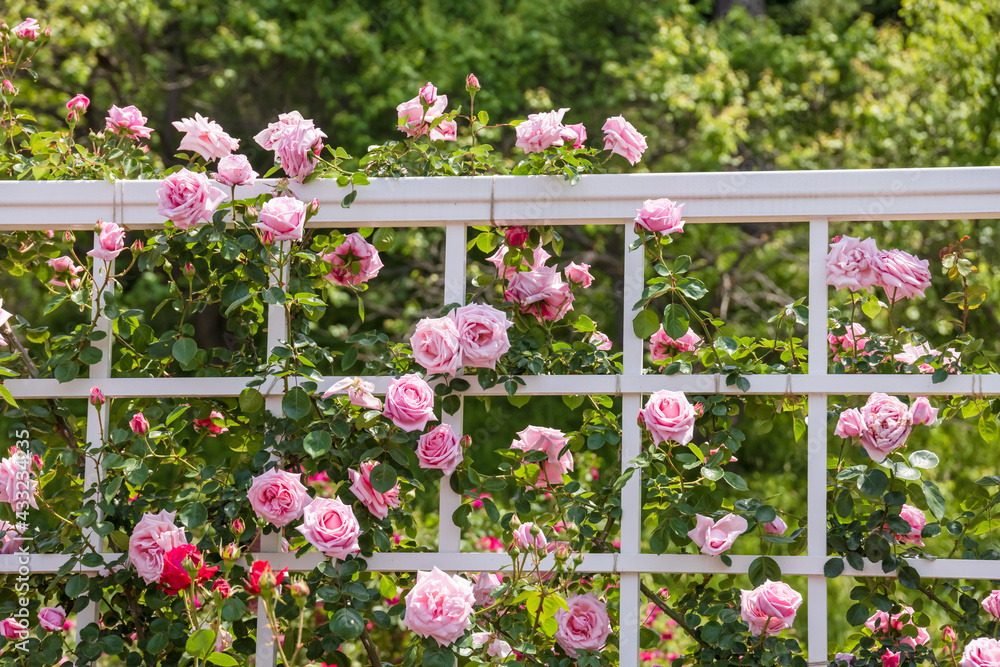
pixel 515 237
pixel 921 411
pixel 574 135
pixel 714 537
pixel 278 496
pixel 992 604
pixel 917 521
pixel 584 624
pixel 620 137
pixel 8 87
pixel 472 83
pixel 359 391
pixel 660 215
pixel 409 403
pixel 296 142
pixel 527 536
pixel 440 449
pixel 63 264
pixel 151 539
pixel 235 169
pixel 127 122
pixel 139 424
pixel 579 274
pixel 205 137
pixel 330 526
pixel 881 622
pixel 485 583
pixel 668 416
pixel 850 425
pixel 111 239
pixel 175 576
pixel 17 486
pixel 353 262
pixel 284 217
pixel 851 341
pixel 540 292
pixel 96 397
pixel 769 608
pixel 981 652
pixel 554 443
pixel 776 527
pixel 541 131
pixel 76 106
pixel 12 629
pixel 187 198
pixel 887 425
pixel 600 341
pixel 850 264
pixel 214 424
pixel 439 606
pixel 902 275
pixel 28 29
pixel 662 347
pixel 11 540
pixel 436 346
pixel 497 259
pixel 482 334
pixel 891 658
pixel 377 503
pixel 52 618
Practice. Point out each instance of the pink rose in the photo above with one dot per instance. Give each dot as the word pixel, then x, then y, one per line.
pixel 600 341
pixel 554 443
pixel 850 264
pixel 151 539
pixel 540 292
pixel 61 264
pixel 52 618
pixel 278 496
pixel 850 425
pixel 769 608
pixel 111 240
pixel 902 275
pixel 497 648
pixel 882 622
pixel 992 605
pixel 128 122
pixel 497 259
pixel 849 342
pixel 846 658
pixel 527 536
pixel 911 354
pixel 205 137
pixel 436 346
pixel 28 29
pixel 440 449
pixel 187 198
pixel 917 521
pixel 235 170
pixel 472 83
pixel 353 262
pixel 776 527
pixel 285 217
pixel 579 274
pixel 887 425
pixel 890 658
pixel 296 141
pixel 541 131
pixel 139 424
pixel 662 347
pixel 415 119
pixel 359 391
pixel 409 403
pixel 76 106
pixel 714 537
pixel 921 411
pixel 482 334
pixel 96 397
pixel 515 237
pixel 439 606
pixel 620 137
pixel 11 540
pixel 485 583
pixel 668 416
pixel 660 215
pixel 214 424
pixel 16 484
pixel 12 629
pixel 981 652
pixel 584 624
pixel 8 87
pixel 574 135
pixel 377 503
pixel 330 526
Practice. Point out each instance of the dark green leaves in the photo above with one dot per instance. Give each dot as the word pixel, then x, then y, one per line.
pixel 383 477
pixel 317 443
pixel 763 568
pixel 347 623
pixel 833 568
pixel 645 324
pixel 675 321
pixel 296 403
pixel 873 483
pixel 184 350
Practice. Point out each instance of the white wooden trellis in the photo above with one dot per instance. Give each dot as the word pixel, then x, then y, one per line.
pixel 816 197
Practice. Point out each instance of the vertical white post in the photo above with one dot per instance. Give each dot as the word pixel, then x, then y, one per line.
pixel 819 230
pixel 629 614
pixel 450 535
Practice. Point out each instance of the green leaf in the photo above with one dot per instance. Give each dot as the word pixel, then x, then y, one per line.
pixel 223 660
pixel 765 514
pixel 735 481
pixel 157 643
pixel 347 623
pixel 76 585
pixel 675 320
pixel 645 324
pixel 317 443
pixel 193 515
pixel 184 350
pixel 873 483
pixel 383 477
pixel 66 371
pixel 7 396
pixel 871 308
pixel 296 404
pixel 251 400
pixel 833 568
pixel 988 427
pixel 90 355
pixel 437 656
pixel 763 568
pixel 349 199
pixel 201 643
pixel 384 239
pixel 923 459
pixel 491 509
pixel 857 614
pixel 233 609
pixel 935 500
pixel 909 577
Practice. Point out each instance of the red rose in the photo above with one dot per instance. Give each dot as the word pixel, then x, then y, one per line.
pixel 263 578
pixel 223 587
pixel 176 565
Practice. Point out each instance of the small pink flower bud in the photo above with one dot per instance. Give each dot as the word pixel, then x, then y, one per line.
pixel 139 424
pixel 7 87
pixel 96 397
pixel 314 207
pixel 69 237
pixel 238 526
pixel 465 441
pixel 188 269
pixel 138 246
pixel 230 553
pixel 300 589
pixel 472 83
pixel 515 236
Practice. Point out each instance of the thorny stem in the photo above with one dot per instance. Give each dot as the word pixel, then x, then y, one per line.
pixel 373 656
pixel 669 611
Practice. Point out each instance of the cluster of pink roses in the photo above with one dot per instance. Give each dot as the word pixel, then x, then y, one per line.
pixel 662 347
pixel 884 423
pixel 545 130
pixel 51 619
pixel 421 115
pixel 539 290
pixel 473 335
pixel 296 142
pixel 859 265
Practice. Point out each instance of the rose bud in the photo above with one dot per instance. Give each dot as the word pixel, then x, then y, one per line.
pixel 472 83
pixel 96 397
pixel 300 589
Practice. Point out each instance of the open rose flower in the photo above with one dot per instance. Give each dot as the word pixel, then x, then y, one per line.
pixel 715 537
pixel 485 582
pixel 622 138
pixel 851 342
pixel 409 403
pixel 881 622
pixel 917 521
pixel 579 274
pixel 10 538
pixel 850 424
pixel 330 526
pixel 417 115
pixel 128 122
pixel 902 275
pixel 921 411
pixel 355 261
pixel 583 626
pixel 187 198
pixel 482 334
pixel 544 130
pixel 554 443
pixel 205 137
pixel 151 539
pixel 14 488
pixel 76 106
pixel 850 264
pixel 111 241
pixel 359 391
pixel 278 496
pixel 528 536
pixel 992 604
pixel 12 630
pixel 600 341
pixel 660 215
pixel 981 652
pixel 235 170
pixel 439 606
pixel 887 425
pixel 662 347
pixel 440 449
pixel 175 576
pixel 283 217
pixel 669 416
pixel 52 619
pixel 435 345
pixel 769 608
pixel 540 292
pixel 296 142
pixel 28 29
pixel 376 502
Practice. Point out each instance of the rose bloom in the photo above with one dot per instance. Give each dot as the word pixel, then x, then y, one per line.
pixel 151 539
pixel 96 397
pixel 377 503
pixel 992 604
pixel 668 416
pixel 12 539
pixel 175 577
pixel 882 622
pixel 261 573
pixel 776 527
pixel 111 241
pixel 769 608
pixel 77 105
pixel 139 424
pixel 600 341
pixel 235 170
pixel 515 237
pixel 902 275
pixel 485 582
pixel 440 449
pixel 28 29
pixel 917 521
pixel 850 424
pixel 543 130
pixel 850 264
pixel 354 261
pixel 52 619
pixel 847 658
pixel 284 217
pixel 436 346
pixel 127 122
pixel 11 629
pixel 187 198
pixel 409 403
pixel 211 424
pixel 921 411
pixel 359 391
pixel 415 120
pixel 622 138
pixel 295 141
pixel 14 489
pixel 887 425
pixel 981 652
pixel 439 606
pixel 584 624
pixel 911 354
pixel 278 496
pixel 849 342
pixel 497 259
pixel 540 292
pixel 527 536
pixel 891 659
pixel 330 526
pixel 579 274
pixel 8 87
pixel 552 442
pixel 574 135
pixel 482 334
pixel 222 587
pixel 662 347
pixel 714 537
pixel 205 137
pixel 660 215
